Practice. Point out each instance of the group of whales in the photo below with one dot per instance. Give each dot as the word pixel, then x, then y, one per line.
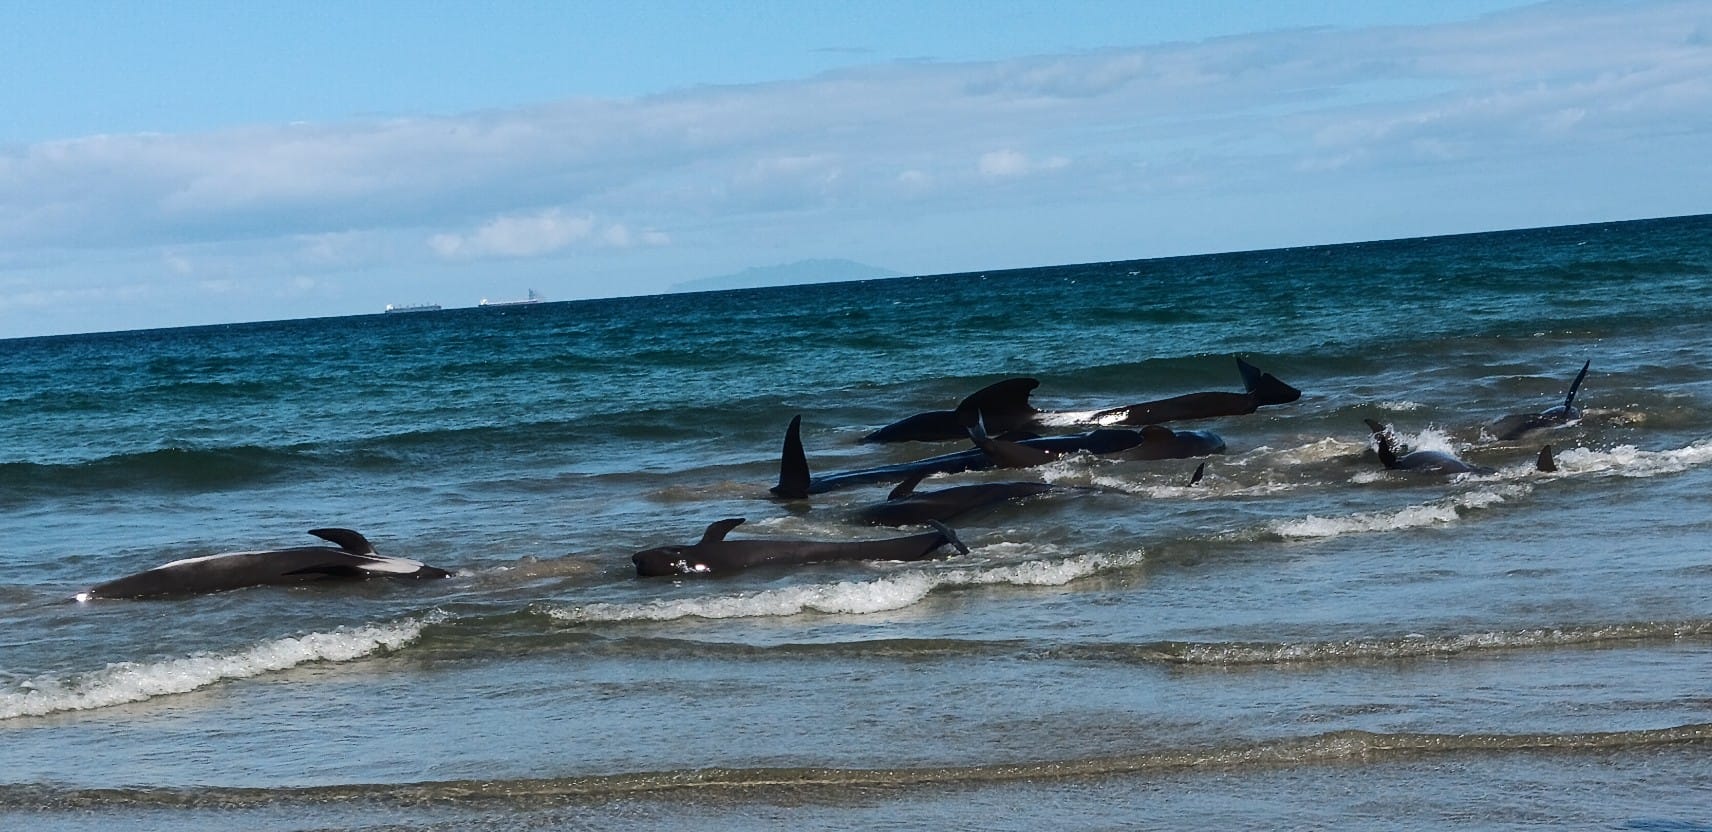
pixel 1002 408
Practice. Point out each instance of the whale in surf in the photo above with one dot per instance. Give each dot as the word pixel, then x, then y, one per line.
pixel 1153 442
pixel 354 559
pixel 1519 425
pixel 907 507
pixel 1005 408
pixel 714 554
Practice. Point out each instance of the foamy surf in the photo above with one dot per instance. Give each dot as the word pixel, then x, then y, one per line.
pixel 124 682
pixel 1438 512
pixel 864 597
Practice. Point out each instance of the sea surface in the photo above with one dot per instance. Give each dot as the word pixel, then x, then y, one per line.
pixel 1302 640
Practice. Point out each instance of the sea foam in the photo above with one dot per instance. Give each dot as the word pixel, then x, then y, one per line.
pixel 1446 510
pixel 860 597
pixel 123 682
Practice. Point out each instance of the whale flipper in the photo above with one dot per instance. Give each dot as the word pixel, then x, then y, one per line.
pixel 717 530
pixel 1569 400
pixel 346 539
pixel 793 464
pixel 1265 387
pixel 1195 478
pixel 1386 441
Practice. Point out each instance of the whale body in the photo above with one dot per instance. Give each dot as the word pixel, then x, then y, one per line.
pixel 354 559
pixel 713 554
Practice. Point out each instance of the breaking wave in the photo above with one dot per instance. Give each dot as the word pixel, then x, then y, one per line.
pixel 882 594
pixel 125 682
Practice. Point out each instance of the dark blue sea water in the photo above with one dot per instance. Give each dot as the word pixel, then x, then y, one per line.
pixel 1305 639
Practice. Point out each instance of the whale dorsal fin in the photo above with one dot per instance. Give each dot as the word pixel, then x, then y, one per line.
pixel 1546 462
pixel 1265 387
pixel 907 487
pixel 717 530
pixel 1003 405
pixel 793 464
pixel 1569 400
pixel 1200 470
pixel 346 540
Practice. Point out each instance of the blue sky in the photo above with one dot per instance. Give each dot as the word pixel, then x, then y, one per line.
pixel 178 163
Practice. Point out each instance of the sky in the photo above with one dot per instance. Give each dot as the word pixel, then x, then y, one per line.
pixel 178 163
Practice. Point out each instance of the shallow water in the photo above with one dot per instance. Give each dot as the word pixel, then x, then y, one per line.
pixel 1303 639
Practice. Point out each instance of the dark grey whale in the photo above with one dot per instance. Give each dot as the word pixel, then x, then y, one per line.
pixel 1399 458
pixel 907 507
pixel 1519 425
pixel 1005 409
pixel 713 554
pixel 354 559
pixel 1259 389
pixel 1153 442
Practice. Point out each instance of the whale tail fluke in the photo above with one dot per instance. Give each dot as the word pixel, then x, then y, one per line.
pixel 1569 400
pixel 1546 463
pixel 1265 387
pixel 950 536
pixel 1003 453
pixel 793 465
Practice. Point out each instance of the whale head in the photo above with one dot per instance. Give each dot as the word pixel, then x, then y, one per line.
pixel 668 560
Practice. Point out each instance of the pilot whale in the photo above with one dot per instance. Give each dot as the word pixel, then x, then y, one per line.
pixel 1519 425
pixel 1005 408
pixel 1153 442
pixel 907 507
pixel 713 554
pixel 1397 457
pixel 354 559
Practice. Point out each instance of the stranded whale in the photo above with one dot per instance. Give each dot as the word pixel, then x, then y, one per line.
pixel 713 554
pixel 1518 425
pixel 1153 442
pixel 907 507
pixel 1005 409
pixel 1399 458
pixel 354 559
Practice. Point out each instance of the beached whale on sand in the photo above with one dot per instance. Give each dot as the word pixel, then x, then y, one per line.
pixel 354 559
pixel 1153 442
pixel 714 555
pixel 1519 425
pixel 1005 409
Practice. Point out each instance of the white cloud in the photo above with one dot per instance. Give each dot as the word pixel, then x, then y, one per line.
pixel 516 236
pixel 538 234
pixel 1006 164
pixel 874 156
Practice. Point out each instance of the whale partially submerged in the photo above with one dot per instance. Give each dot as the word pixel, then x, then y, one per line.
pixel 1398 457
pixel 907 507
pixel 1520 425
pixel 1005 408
pixel 354 559
pixel 714 554
pixel 1153 442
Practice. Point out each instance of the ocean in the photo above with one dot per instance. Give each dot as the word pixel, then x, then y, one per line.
pixel 1304 639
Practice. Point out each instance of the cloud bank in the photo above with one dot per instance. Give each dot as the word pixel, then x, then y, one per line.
pixel 1353 128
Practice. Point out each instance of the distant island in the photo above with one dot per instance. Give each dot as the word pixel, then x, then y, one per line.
pixel 788 274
